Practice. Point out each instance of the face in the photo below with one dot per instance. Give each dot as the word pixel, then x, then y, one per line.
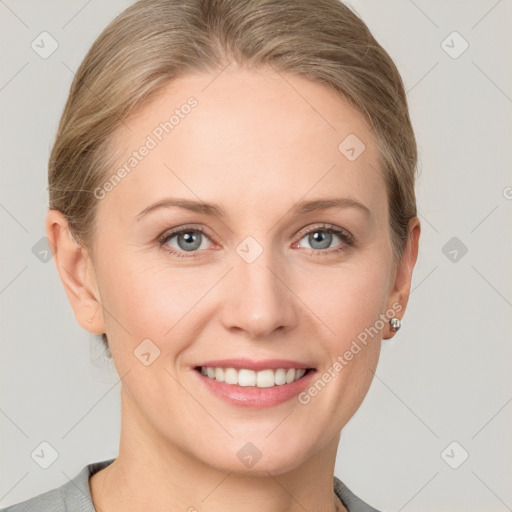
pixel 266 272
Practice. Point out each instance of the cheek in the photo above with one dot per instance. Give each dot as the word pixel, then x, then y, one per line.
pixel 348 299
pixel 151 301
pixel 349 305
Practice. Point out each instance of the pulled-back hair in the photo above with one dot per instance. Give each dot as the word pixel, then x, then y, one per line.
pixel 156 41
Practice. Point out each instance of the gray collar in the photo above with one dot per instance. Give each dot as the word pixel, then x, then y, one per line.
pixel 75 495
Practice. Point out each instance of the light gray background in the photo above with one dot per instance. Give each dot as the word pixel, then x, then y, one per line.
pixel 446 375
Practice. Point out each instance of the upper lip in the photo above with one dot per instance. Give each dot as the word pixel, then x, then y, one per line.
pixel 251 364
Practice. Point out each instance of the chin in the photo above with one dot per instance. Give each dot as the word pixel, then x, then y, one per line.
pixel 258 458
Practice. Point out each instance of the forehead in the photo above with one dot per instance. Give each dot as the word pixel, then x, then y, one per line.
pixel 238 136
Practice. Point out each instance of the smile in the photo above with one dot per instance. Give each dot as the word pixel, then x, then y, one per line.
pixel 244 377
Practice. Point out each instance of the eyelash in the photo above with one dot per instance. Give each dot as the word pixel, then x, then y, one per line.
pixel 347 240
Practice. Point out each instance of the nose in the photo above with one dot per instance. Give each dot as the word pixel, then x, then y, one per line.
pixel 257 298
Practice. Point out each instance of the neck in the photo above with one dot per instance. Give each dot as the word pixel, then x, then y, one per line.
pixel 154 474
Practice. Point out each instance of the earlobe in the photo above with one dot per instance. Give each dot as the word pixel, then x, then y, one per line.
pixel 76 273
pixel 402 284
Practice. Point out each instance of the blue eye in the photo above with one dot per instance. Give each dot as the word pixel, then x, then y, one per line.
pixel 187 240
pixel 192 240
pixel 321 237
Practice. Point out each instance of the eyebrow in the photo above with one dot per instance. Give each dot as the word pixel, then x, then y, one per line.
pixel 216 210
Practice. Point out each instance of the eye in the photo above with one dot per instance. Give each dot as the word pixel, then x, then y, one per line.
pixel 320 239
pixel 186 239
pixel 191 240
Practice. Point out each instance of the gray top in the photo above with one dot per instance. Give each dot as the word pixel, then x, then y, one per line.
pixel 75 495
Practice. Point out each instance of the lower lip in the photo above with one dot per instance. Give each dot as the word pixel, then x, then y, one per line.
pixel 252 396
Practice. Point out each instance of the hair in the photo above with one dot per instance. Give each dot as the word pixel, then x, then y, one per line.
pixel 154 42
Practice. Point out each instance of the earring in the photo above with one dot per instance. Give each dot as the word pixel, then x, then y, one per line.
pixel 395 323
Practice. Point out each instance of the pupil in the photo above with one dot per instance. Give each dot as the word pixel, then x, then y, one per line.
pixel 190 239
pixel 323 238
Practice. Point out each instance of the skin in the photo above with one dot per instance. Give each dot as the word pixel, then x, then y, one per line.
pixel 256 147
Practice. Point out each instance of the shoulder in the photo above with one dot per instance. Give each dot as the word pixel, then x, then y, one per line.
pixel 46 502
pixel 349 499
pixel 72 496
pixel 75 495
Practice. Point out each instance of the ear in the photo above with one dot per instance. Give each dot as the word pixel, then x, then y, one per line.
pixel 402 284
pixel 76 272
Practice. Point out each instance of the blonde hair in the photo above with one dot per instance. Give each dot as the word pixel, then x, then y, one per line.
pixel 156 41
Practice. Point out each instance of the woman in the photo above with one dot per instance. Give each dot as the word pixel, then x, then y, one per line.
pixel 232 209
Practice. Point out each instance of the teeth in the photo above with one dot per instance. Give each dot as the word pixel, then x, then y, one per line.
pixel 265 379
pixel 246 377
pixel 219 374
pixel 230 376
pixel 290 375
pixel 262 379
pixel 280 376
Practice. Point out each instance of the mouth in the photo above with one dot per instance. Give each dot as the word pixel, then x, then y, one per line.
pixel 257 384
pixel 247 377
